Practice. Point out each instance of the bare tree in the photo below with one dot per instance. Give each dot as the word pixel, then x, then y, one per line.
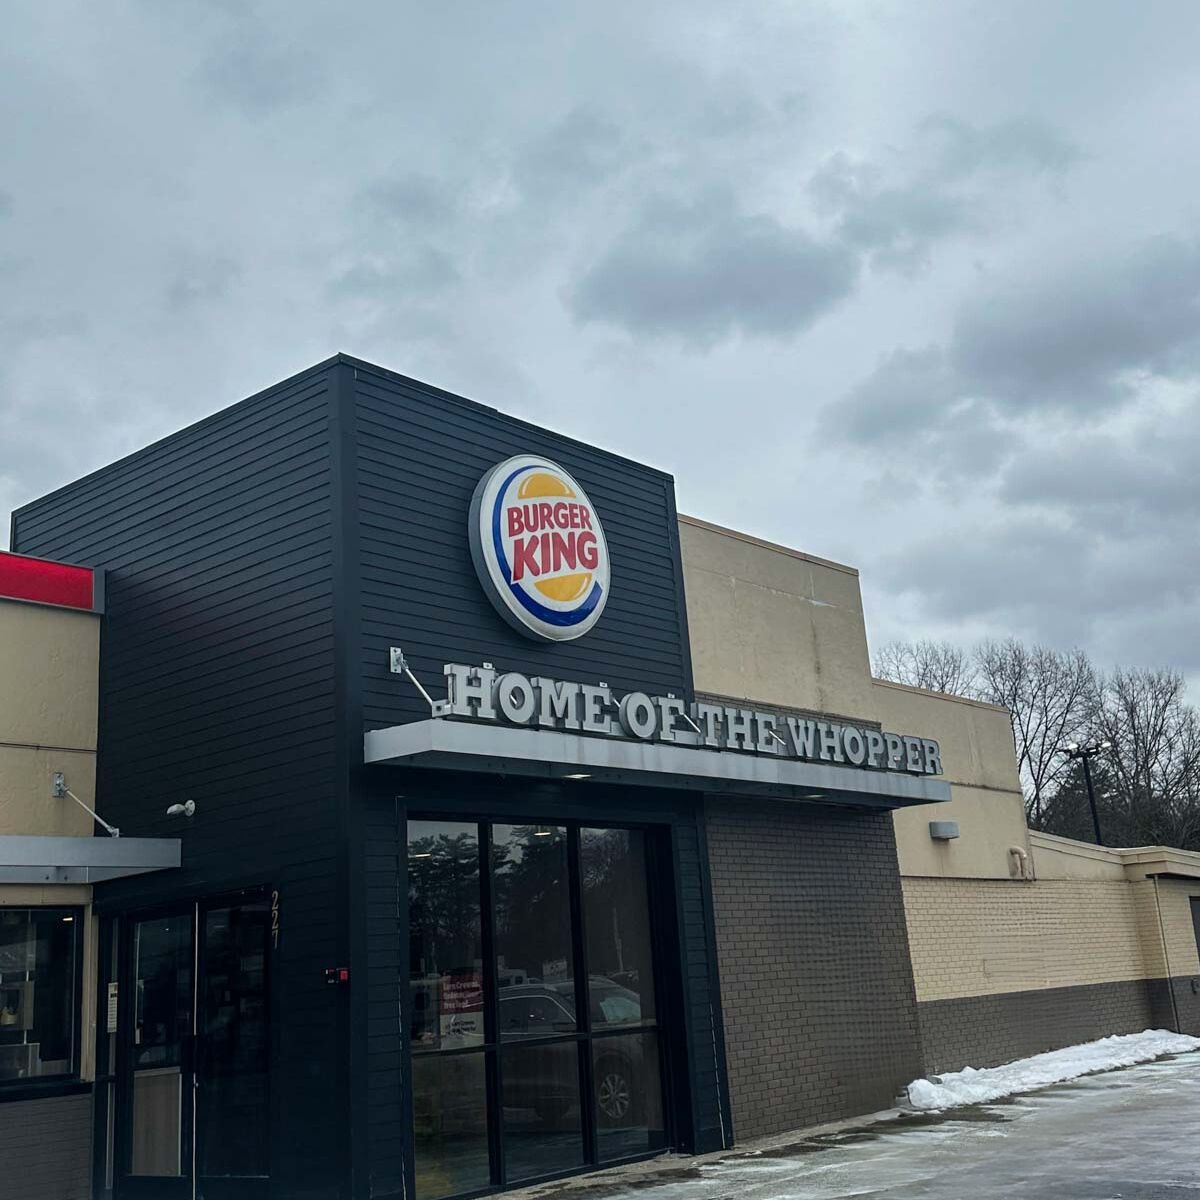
pixel 938 666
pixel 1047 693
pixel 1152 767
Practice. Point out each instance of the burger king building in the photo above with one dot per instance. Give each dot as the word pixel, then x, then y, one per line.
pixel 527 826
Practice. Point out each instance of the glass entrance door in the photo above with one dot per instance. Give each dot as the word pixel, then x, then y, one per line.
pixel 232 1052
pixel 159 1054
pixel 532 1003
pixel 194 1044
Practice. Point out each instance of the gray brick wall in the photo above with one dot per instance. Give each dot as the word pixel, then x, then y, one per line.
pixel 1186 990
pixel 816 984
pixel 1175 1003
pixel 45 1148
pixel 985 1031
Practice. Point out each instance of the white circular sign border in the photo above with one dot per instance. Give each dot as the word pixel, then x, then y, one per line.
pixel 491 574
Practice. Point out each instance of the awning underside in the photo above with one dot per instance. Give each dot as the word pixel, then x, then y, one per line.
pixel 547 754
pixel 29 859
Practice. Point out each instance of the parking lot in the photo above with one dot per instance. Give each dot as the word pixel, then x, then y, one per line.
pixel 1132 1134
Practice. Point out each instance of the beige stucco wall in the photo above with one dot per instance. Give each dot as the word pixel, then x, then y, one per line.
pixel 49 672
pixel 49 662
pixel 768 623
pixel 1063 858
pixel 981 767
pixel 49 679
pixel 772 624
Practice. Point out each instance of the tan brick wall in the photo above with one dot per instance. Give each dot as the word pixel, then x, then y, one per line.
pixel 1181 956
pixel 981 937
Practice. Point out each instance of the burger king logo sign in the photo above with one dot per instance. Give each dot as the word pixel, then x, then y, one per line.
pixel 539 549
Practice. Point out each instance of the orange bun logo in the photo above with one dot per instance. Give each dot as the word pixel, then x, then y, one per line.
pixel 539 549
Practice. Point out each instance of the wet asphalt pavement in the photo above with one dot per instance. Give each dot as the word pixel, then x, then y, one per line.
pixel 1132 1134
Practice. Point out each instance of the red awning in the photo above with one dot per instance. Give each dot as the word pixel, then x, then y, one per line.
pixel 46 582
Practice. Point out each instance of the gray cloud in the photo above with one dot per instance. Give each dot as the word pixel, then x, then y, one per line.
pixel 6 203
pixel 414 272
pixel 942 185
pixel 1080 339
pixel 24 331
pixel 1020 143
pixel 906 393
pixel 1051 579
pixel 201 281
pixel 553 210
pixel 1072 337
pixel 579 151
pixel 708 270
pixel 896 225
pixel 259 73
pixel 408 198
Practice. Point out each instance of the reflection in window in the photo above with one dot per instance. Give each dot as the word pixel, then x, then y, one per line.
pixel 629 1112
pixel 616 914
pixel 234 1137
pixel 450 1124
pixel 445 951
pixel 162 1019
pixel 162 956
pixel 534 967
pixel 543 1127
pixel 39 992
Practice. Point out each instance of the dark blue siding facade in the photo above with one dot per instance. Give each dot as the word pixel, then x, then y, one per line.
pixel 259 565
pixel 217 685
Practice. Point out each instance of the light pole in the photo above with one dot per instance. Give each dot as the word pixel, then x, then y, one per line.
pixel 1085 754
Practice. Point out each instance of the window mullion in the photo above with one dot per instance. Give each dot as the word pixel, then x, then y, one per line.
pixel 493 1060
pixel 583 1009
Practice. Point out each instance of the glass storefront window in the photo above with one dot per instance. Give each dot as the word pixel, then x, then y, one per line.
pixel 450 1129
pixel 522 1068
pixel 445 947
pixel 629 1111
pixel 616 918
pixel 543 1126
pixel 39 992
pixel 534 958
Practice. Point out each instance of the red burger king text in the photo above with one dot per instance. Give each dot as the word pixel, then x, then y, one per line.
pixel 551 537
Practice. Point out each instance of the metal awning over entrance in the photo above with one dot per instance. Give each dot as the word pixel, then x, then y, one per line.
pixel 548 754
pixel 31 859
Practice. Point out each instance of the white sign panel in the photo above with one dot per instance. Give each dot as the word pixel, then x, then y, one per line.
pixel 539 549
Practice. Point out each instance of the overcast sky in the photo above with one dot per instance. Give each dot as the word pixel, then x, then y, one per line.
pixel 913 286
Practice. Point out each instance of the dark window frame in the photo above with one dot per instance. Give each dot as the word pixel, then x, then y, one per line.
pixel 70 1081
pixel 585 1036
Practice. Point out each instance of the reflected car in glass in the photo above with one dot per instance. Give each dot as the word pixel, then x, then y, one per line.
pixel 543 1011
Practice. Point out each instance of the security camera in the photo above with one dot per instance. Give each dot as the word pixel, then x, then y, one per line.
pixel 186 809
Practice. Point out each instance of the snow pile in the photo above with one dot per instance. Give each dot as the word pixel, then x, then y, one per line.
pixel 970 1086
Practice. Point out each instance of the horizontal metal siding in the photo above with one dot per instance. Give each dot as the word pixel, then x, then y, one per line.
pixel 420 454
pixel 218 686
pixel 46 1148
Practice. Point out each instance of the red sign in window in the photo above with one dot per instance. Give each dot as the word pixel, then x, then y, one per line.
pixel 23 578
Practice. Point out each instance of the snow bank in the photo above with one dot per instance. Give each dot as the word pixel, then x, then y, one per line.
pixel 970 1086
